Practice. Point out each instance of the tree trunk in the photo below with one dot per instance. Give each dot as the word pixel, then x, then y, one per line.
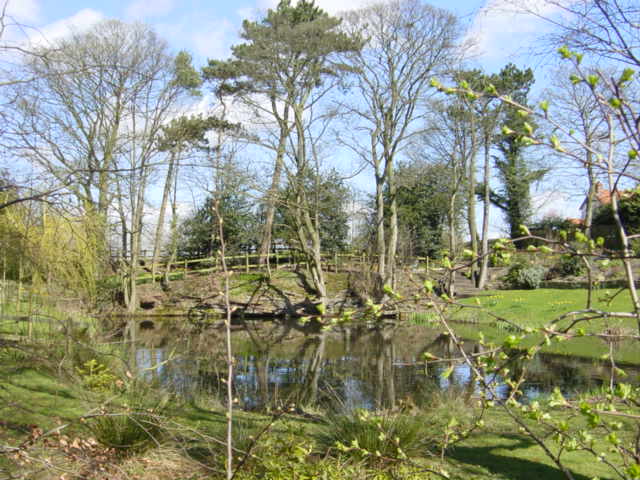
pixel 471 218
pixel 591 196
pixel 272 194
pixel 381 248
pixel 163 208
pixel 452 244
pixel 267 229
pixel 392 248
pixel 486 208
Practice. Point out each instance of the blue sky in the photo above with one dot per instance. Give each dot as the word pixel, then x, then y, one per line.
pixel 207 29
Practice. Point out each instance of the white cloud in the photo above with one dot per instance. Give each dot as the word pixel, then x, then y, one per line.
pixel 502 27
pixel 214 39
pixel 203 37
pixel 79 22
pixel 144 9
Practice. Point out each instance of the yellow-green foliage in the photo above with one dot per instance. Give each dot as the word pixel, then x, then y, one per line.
pixel 96 376
pixel 42 245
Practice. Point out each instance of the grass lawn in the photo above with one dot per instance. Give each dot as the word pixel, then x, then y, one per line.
pixel 537 308
pixel 495 452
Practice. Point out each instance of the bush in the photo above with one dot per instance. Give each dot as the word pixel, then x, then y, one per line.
pixel 382 438
pixel 568 266
pixel 127 432
pixel 134 427
pixel 96 376
pixel 525 276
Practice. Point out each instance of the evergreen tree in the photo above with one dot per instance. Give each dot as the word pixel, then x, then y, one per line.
pixel 514 170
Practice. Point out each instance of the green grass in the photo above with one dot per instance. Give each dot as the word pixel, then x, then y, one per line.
pixel 537 308
pixel 505 454
pixel 496 452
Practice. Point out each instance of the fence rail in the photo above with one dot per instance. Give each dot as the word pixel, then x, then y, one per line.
pixel 251 262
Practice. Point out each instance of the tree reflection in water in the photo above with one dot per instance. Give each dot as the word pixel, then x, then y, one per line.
pixel 283 363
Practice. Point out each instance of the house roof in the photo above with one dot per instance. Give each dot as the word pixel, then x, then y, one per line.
pixel 603 197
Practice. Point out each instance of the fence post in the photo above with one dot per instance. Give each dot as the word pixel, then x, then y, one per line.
pixel 335 260
pixel 19 286
pixel 185 270
pixel 277 260
pixel 246 262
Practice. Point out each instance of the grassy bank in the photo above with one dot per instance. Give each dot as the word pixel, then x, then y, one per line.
pixel 494 452
pixel 539 308
pixel 62 418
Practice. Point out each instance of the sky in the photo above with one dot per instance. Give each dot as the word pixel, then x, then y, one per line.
pixel 208 28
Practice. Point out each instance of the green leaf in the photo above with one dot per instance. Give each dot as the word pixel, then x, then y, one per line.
pixel 491 90
pixel 615 102
pixel 555 143
pixel 621 373
pixel 627 75
pixel 447 373
pixel 428 286
pixel 575 79
pixel 544 106
pixel 632 154
pixel 564 52
pixel 511 341
pixel 593 80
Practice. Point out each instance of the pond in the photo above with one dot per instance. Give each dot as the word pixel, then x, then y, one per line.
pixel 280 362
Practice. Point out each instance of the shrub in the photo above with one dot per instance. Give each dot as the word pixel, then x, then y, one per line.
pixel 374 438
pixel 525 275
pixel 568 266
pixel 127 432
pixel 96 376
pixel 134 427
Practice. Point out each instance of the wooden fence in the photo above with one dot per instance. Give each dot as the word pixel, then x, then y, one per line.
pixel 247 263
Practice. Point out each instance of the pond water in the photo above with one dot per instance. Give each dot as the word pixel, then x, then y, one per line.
pixel 280 362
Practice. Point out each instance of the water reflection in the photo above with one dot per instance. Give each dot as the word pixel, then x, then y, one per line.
pixel 349 367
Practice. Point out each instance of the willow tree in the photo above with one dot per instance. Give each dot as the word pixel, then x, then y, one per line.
pixel 281 70
pixel 408 43
pixel 91 117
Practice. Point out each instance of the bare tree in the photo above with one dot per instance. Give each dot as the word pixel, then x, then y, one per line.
pixel 95 129
pixel 573 104
pixel 452 139
pixel 408 42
